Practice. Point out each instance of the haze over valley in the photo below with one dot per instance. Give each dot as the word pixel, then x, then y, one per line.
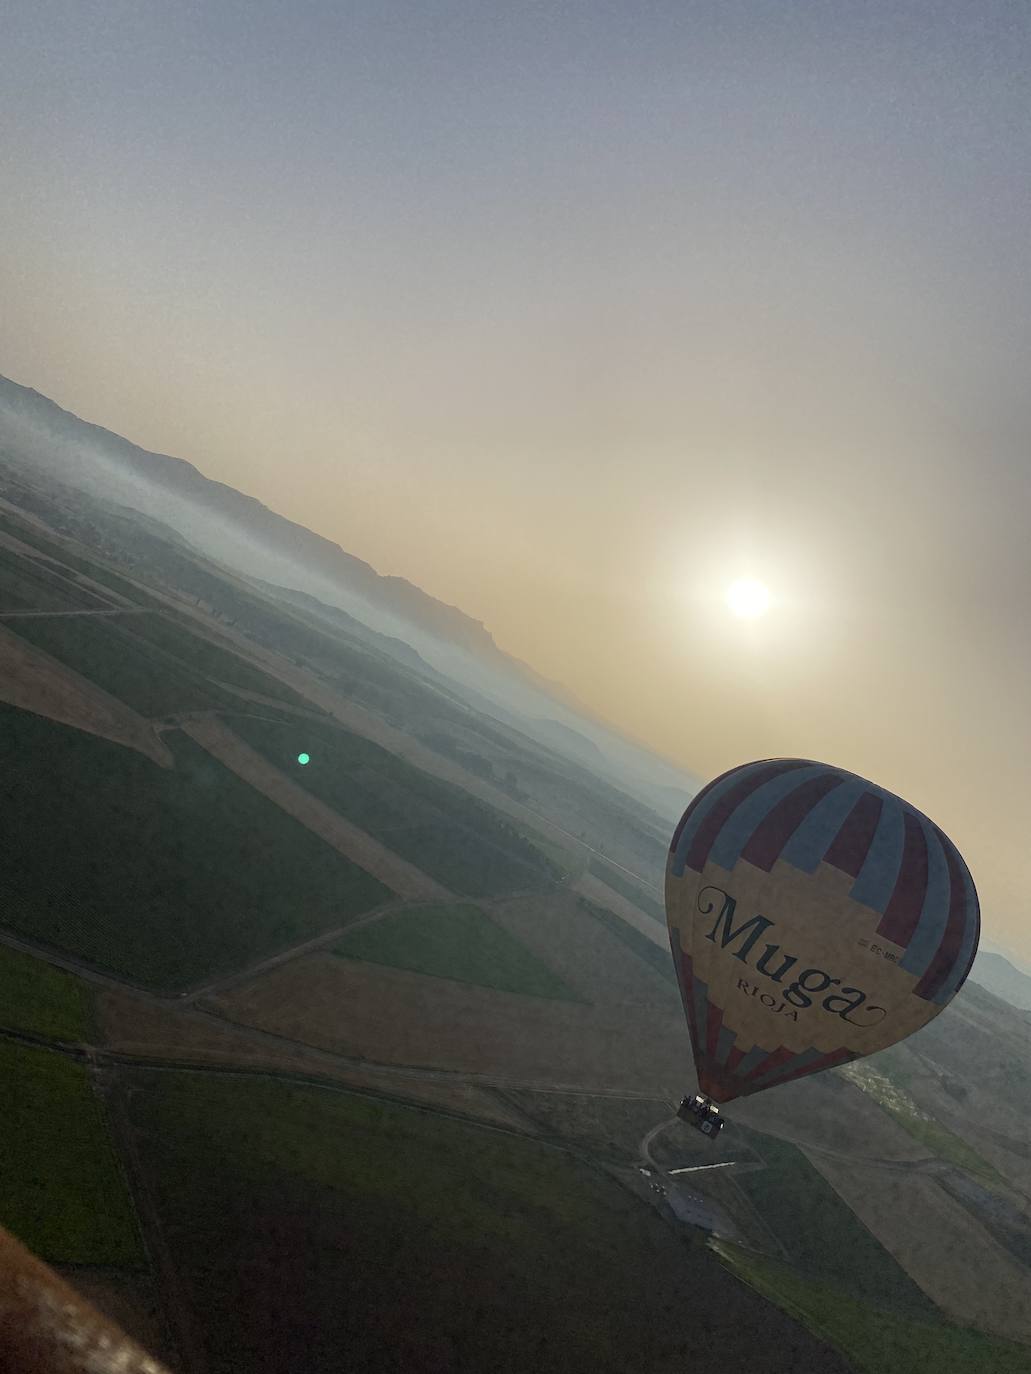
pixel 314 880
pixel 437 442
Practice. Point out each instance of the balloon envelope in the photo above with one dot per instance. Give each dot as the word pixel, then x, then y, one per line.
pixel 813 918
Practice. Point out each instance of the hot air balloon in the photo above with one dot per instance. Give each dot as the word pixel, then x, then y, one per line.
pixel 813 918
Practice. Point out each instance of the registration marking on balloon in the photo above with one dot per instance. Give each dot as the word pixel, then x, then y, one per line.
pixel 813 918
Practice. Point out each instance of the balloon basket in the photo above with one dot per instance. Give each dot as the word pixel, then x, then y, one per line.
pixel 702 1114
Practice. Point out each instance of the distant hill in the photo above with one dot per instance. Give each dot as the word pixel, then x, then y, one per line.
pixel 396 648
pixel 998 975
pixel 44 446
pixel 273 532
pixel 569 741
pixel 675 799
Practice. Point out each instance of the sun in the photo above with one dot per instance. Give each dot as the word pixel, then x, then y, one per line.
pixel 748 599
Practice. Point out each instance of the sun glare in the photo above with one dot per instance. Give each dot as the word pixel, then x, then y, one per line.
pixel 747 598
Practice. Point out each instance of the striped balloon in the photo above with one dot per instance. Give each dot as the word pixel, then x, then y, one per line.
pixel 813 918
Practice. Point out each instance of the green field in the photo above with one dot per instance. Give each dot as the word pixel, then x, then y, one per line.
pixel 661 960
pixel 327 1230
pixel 887 1088
pixel 363 673
pixel 107 651
pixel 875 1340
pixel 439 828
pixel 458 942
pixel 43 1000
pixel 625 885
pixel 61 1190
pixel 569 861
pixel 27 585
pixel 211 660
pixel 150 661
pixel 609 1128
pixel 98 572
pixel 822 1236
pixel 163 876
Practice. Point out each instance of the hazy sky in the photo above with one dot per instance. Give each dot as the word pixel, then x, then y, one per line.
pixel 573 312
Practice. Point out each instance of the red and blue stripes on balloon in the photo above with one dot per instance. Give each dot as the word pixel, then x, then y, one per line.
pixel 803 814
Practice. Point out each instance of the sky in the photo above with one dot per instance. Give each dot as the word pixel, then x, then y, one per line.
pixel 571 314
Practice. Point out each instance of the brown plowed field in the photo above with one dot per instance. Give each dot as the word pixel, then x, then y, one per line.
pixel 396 1017
pixel 80 579
pixel 1005 1144
pixel 33 681
pixel 590 959
pixel 826 1112
pixel 135 1025
pixel 603 895
pixel 942 1248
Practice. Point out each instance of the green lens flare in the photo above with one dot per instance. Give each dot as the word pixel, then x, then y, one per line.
pixel 303 758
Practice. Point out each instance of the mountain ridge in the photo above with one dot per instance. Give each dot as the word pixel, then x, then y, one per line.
pixel 241 532
pixel 284 536
pixel 1002 978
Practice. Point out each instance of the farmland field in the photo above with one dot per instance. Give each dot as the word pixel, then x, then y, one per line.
pixel 440 829
pixel 222 743
pixel 161 875
pixel 593 960
pixel 97 572
pixel 103 650
pixel 203 656
pixel 458 942
pixel 150 661
pixel 391 1016
pixel 43 1000
pixel 826 1112
pixel 881 1083
pixel 652 954
pixel 609 1127
pixel 820 1233
pixel 874 1339
pixel 61 1191
pixel 939 1242
pixel 32 681
pixel 133 1025
pixel 26 585
pixel 311 1220
pixel 625 885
